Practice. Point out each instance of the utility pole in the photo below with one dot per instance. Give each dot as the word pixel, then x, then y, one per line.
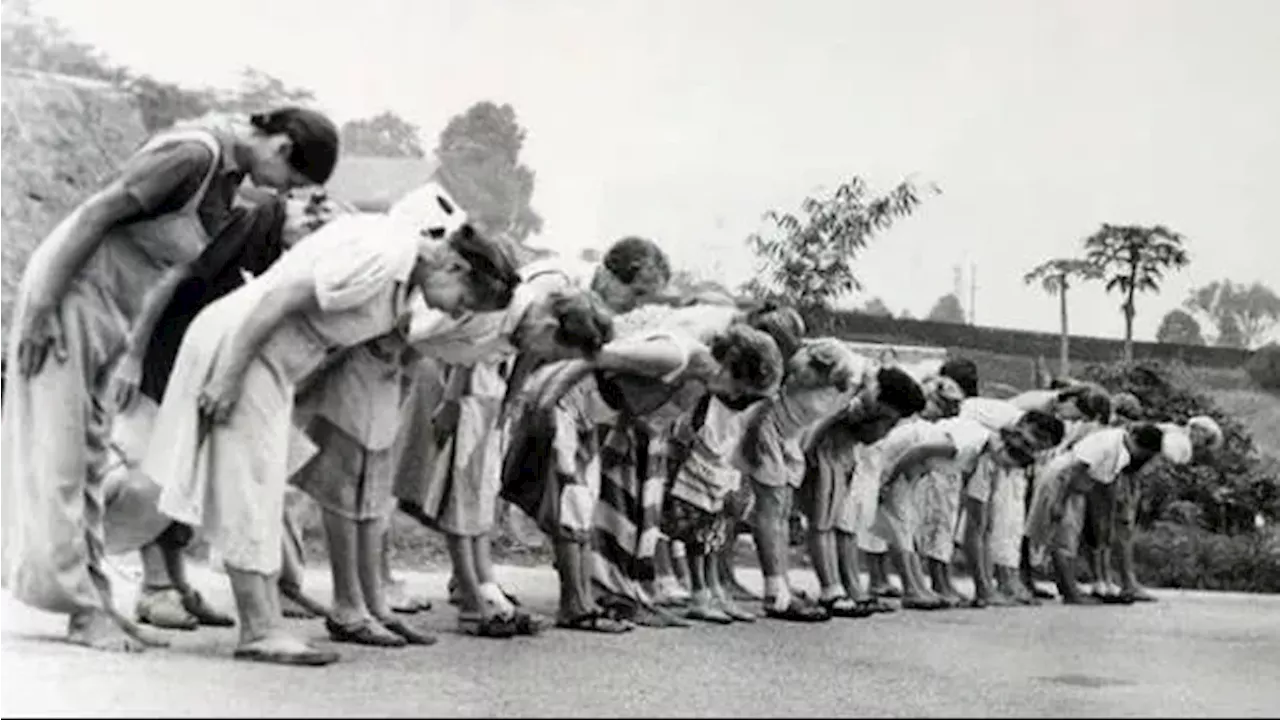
pixel 973 293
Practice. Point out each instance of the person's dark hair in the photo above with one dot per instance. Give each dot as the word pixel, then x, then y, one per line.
pixel 1093 401
pixel 900 391
pixel 750 355
pixel 1048 428
pixel 314 136
pixel 780 322
pixel 493 275
pixel 584 323
pixel 627 257
pixel 1147 437
pixel 965 372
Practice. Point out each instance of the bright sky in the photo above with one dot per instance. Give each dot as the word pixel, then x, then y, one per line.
pixel 686 121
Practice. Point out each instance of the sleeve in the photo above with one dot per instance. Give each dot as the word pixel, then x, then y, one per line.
pixel 1103 453
pixel 680 344
pixel 354 262
pixel 473 339
pixel 970 439
pixel 1034 400
pixel 164 179
pixel 990 413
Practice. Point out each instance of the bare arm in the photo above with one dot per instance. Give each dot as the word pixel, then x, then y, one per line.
pixel 657 357
pixel 88 225
pixel 127 376
pixel 917 455
pixel 277 303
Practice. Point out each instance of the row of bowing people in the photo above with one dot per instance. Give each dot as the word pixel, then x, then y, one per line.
pixel 184 359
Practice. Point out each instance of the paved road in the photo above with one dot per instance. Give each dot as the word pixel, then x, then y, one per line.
pixel 1202 654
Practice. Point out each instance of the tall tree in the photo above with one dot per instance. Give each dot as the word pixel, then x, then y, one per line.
pixel 807 259
pixel 260 90
pixel 1134 259
pixel 1179 328
pixel 947 310
pixel 1056 277
pixel 384 135
pixel 479 154
pixel 1230 335
pixel 1253 309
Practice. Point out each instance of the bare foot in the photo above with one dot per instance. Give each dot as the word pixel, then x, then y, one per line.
pixel 98 630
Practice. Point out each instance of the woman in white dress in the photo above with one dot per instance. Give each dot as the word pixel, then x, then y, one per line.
pixel 222 446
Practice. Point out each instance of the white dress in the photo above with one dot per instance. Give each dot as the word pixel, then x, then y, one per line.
pixel 228 480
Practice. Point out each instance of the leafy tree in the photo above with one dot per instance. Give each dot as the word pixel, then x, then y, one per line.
pixel 1229 333
pixel 36 42
pixel 947 310
pixel 1179 328
pixel 906 315
pixel 1254 309
pixel 875 306
pixel 807 259
pixel 384 135
pixel 1135 259
pixel 479 154
pixel 1056 277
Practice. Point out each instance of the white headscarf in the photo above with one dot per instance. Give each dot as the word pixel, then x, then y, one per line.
pixel 429 212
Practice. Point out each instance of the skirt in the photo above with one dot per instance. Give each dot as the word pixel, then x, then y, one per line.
pixel 551 468
pixel 1042 531
pixel 898 519
pixel 828 479
pixel 132 515
pixel 701 532
pixel 940 512
pixel 863 505
pixel 345 477
pixel 1008 519
pixel 456 478
pixel 629 512
pixel 226 481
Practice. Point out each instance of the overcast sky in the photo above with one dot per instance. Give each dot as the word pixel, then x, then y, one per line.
pixel 685 120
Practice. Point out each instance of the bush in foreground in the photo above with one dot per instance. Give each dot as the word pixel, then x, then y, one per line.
pixel 1182 556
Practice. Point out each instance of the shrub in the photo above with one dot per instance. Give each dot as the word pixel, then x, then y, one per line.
pixel 1264 367
pixel 1182 556
pixel 1232 487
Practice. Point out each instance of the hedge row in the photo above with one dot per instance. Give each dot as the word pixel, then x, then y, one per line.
pixel 875 328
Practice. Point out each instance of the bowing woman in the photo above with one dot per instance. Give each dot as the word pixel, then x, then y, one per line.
pixel 80 291
pixel 221 449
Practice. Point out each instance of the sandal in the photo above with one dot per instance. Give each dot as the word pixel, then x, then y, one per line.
pixel 411 636
pixel 876 606
pixel 195 604
pixel 529 624
pixel 797 612
pixel 594 621
pixel 914 604
pixel 1116 599
pixel 308 657
pixel 164 608
pixel 486 627
pixel 846 608
pixel 708 614
pixel 887 591
pixel 365 632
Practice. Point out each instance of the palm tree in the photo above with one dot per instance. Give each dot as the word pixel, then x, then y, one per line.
pixel 1135 259
pixel 1056 277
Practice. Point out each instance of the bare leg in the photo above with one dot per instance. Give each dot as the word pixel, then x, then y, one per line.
pixel 348 601
pixel 878 567
pixel 728 577
pixel 1064 571
pixel 704 604
pixel 680 563
pixel 371 536
pixel 261 637
pixel 192 600
pixel 850 566
pixel 295 603
pixel 975 546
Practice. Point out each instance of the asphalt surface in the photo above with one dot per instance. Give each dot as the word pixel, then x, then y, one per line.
pixel 1191 654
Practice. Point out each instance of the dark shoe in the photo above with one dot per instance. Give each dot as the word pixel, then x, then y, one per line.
pixel 918 604
pixel 366 632
pixel 1080 600
pixel 530 624
pixel 797 611
pixel 1139 595
pixel 595 621
pixel 844 607
pixel 164 608
pixel 886 591
pixel 876 606
pixel 486 627
pixel 1043 594
pixel 411 636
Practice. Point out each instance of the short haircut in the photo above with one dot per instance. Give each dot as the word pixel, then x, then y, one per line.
pixel 900 391
pixel 314 136
pixel 493 277
pixel 583 321
pixel 1047 428
pixel 1094 402
pixel 631 255
pixel 751 356
pixel 965 372
pixel 782 323
pixel 1147 437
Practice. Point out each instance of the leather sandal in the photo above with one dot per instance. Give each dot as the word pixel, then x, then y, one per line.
pixel 411 636
pixel 844 607
pixel 594 621
pixel 486 627
pixel 200 609
pixel 797 611
pixel 362 633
